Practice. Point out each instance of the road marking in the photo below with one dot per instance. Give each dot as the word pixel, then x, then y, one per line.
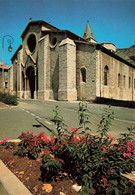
pixel 32 114
pixel 48 122
pixel 124 120
pixel 38 117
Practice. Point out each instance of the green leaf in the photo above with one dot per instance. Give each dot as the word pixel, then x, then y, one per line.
pixel 116 191
pixel 114 182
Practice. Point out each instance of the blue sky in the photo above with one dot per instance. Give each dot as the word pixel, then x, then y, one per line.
pixel 110 20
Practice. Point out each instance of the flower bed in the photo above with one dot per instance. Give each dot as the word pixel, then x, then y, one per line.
pixel 95 162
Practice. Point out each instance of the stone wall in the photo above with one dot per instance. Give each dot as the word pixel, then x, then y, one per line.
pixel 119 87
pixel 67 70
pixel 86 58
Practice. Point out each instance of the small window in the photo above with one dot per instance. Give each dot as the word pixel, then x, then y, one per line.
pixel 106 70
pixel 6 75
pixel 129 82
pixel 119 80
pixel 124 83
pixel 83 75
pixel 6 84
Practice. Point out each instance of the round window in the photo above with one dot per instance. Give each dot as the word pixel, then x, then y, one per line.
pixel 53 41
pixel 31 42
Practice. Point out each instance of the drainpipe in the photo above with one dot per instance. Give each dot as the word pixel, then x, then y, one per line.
pixel 35 92
pixel 132 86
pixel 25 80
pixel 100 71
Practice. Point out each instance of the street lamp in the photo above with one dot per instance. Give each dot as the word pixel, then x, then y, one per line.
pixel 10 40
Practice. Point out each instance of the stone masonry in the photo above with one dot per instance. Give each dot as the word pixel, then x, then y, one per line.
pixel 54 64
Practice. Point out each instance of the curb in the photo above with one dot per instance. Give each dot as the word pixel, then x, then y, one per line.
pixel 10 184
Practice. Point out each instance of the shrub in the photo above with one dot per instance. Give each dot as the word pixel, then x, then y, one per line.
pixel 30 144
pixel 50 167
pixel 97 162
pixel 8 99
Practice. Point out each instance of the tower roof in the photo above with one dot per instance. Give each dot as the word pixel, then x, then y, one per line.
pixel 88 33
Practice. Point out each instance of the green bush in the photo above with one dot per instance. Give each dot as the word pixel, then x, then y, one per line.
pixel 96 162
pixel 8 99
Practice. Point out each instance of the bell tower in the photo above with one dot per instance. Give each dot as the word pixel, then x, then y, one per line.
pixel 88 35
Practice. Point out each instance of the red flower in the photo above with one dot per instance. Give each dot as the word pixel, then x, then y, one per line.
pixel 73 130
pixel 111 172
pixel 60 160
pixel 41 134
pixel 110 137
pixel 105 181
pixel 44 138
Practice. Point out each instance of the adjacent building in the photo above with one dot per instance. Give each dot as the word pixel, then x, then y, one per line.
pixel 5 75
pixel 54 64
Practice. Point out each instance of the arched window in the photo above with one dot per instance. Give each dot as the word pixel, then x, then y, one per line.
pixel 119 80
pixel 83 75
pixel 106 72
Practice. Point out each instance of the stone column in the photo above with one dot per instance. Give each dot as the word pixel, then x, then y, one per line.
pixel 19 80
pixel 44 68
pixel 35 92
pixel 25 90
pixel 67 70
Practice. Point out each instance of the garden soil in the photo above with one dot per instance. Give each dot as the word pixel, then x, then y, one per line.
pixel 28 172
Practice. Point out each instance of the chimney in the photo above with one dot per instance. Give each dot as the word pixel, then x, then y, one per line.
pixel 30 19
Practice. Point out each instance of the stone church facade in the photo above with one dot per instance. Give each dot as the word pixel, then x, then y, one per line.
pixel 54 64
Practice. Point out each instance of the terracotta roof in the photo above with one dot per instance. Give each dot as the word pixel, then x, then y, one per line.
pixel 4 67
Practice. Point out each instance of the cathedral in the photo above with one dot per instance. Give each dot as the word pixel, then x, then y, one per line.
pixel 54 64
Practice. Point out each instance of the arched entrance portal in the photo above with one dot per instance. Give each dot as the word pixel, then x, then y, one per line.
pixel 30 81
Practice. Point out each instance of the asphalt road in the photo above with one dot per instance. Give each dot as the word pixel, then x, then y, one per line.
pixel 36 116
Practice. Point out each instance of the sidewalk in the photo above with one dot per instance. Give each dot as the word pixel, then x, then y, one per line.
pixel 2 105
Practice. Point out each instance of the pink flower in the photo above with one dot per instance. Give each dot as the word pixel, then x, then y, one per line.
pixel 133 152
pixel 31 132
pixel 52 140
pixel 124 154
pixel 110 137
pixel 44 138
pixel 129 148
pixel 129 154
pixel 41 134
pixel 131 143
pixel 4 140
